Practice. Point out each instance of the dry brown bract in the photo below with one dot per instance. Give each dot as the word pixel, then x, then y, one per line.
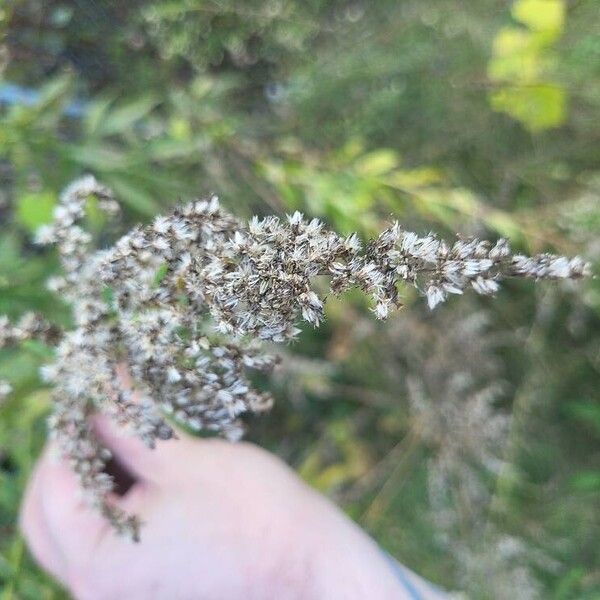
pixel 187 301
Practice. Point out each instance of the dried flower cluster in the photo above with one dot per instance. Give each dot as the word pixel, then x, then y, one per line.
pixel 187 301
pixel 457 398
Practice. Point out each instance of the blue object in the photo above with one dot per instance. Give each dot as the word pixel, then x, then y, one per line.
pixel 11 93
pixel 409 587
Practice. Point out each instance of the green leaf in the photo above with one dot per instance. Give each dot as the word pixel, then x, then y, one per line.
pixel 95 218
pixel 569 584
pixel 95 114
pixel 38 349
pixel 376 163
pixel 587 412
pixel 125 116
pixel 108 295
pixel 133 195
pixel 161 274
pixel 54 91
pixel 102 158
pixel 35 209
pixel 164 150
pixel 586 481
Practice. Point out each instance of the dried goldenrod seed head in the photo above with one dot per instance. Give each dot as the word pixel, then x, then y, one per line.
pixel 188 301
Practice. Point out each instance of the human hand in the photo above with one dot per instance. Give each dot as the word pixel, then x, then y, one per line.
pixel 221 521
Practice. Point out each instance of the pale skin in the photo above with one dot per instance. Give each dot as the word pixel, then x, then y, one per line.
pixel 221 521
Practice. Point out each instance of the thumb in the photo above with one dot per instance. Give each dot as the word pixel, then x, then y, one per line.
pixel 33 525
pixel 59 527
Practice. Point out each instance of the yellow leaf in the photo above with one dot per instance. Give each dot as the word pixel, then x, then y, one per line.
pixel 510 41
pixel 545 16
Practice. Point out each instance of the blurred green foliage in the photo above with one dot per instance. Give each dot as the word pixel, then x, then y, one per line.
pixel 521 61
pixel 478 119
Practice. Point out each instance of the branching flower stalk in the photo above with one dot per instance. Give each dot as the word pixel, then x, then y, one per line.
pixel 188 302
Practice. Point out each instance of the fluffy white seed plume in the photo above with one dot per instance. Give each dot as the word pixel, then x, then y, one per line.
pixel 187 302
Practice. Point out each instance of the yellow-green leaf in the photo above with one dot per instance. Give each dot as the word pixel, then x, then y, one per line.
pixel 376 163
pixel 515 57
pixel 537 107
pixel 546 16
pixel 35 209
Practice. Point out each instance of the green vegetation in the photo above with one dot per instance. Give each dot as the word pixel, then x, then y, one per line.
pixel 478 118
